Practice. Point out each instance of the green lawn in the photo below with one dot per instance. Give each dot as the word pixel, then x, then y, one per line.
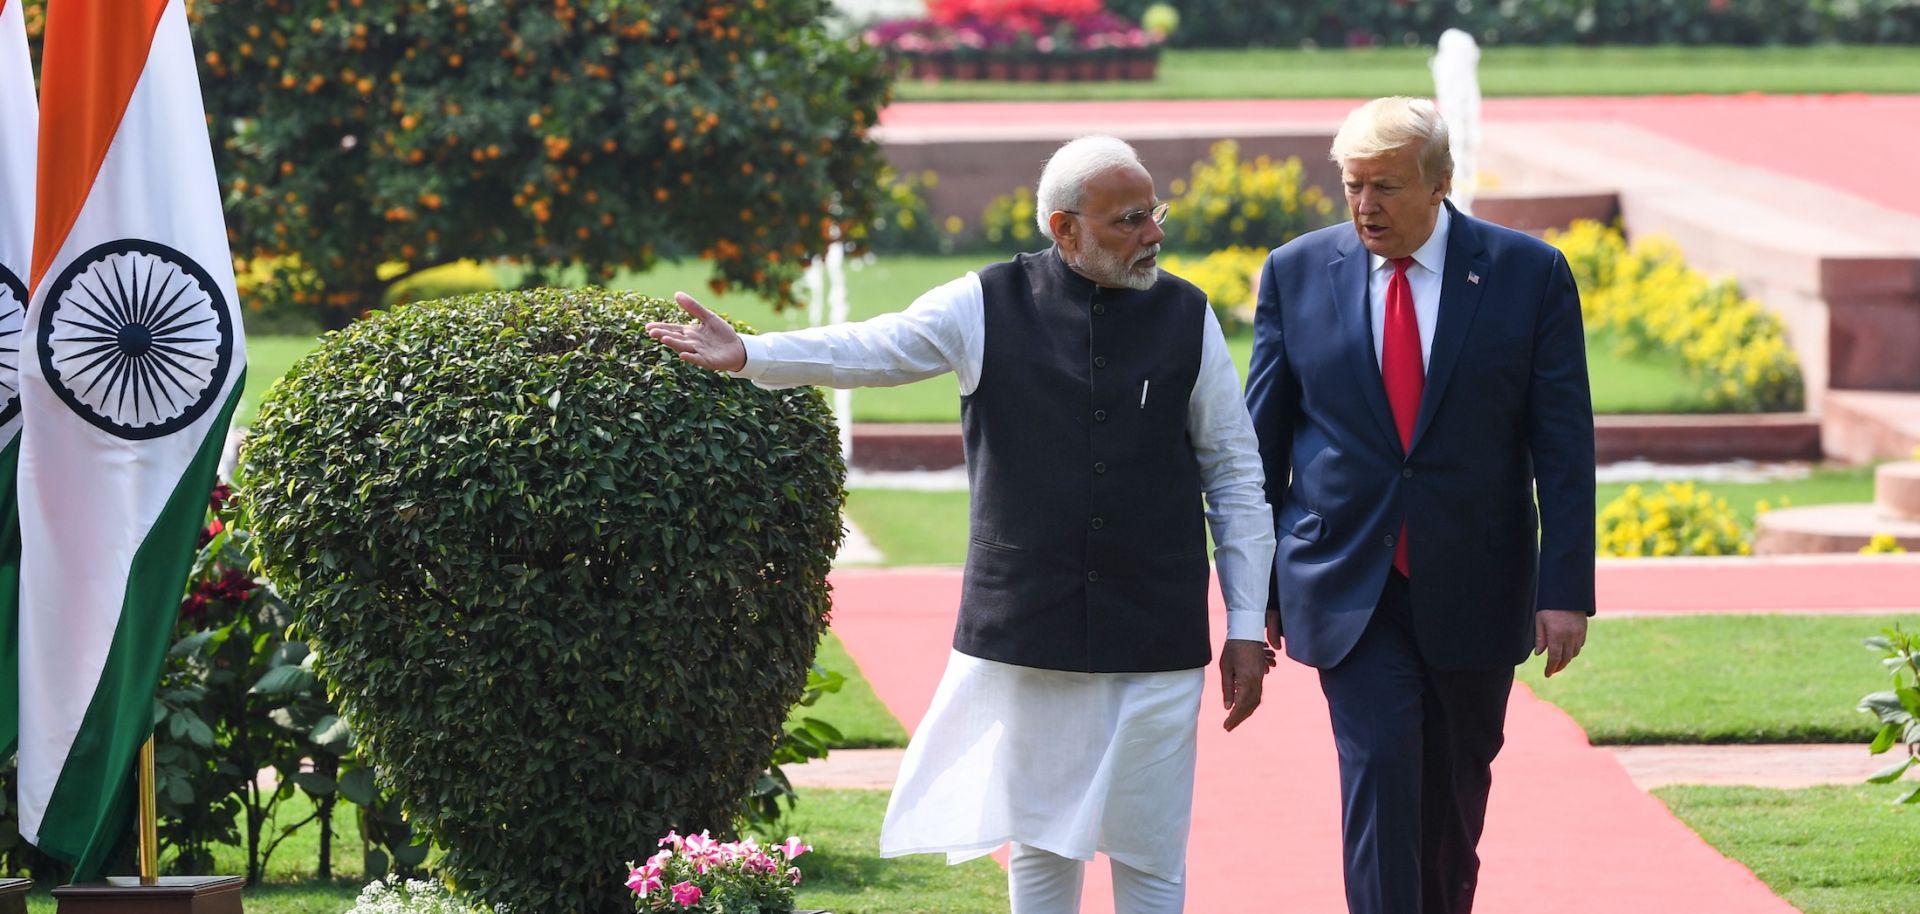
pixel 1826 850
pixel 290 887
pixel 1825 486
pixel 930 528
pixel 1640 386
pixel 1722 679
pixel 845 874
pixel 855 711
pixel 1504 71
pixel 892 283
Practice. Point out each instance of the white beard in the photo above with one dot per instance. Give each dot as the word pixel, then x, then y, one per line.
pixel 1106 268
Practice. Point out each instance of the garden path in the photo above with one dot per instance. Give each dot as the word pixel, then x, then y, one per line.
pixel 1847 142
pixel 1566 815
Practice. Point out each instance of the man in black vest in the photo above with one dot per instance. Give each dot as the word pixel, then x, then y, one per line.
pixel 1101 413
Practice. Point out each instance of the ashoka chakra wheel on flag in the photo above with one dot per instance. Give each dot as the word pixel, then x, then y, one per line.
pixel 13 318
pixel 136 338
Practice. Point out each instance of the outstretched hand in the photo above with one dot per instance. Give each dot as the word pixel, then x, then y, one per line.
pixel 708 342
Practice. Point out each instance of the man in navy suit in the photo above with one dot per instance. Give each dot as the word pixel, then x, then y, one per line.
pixel 1418 379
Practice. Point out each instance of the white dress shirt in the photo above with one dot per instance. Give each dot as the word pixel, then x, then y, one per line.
pixel 946 329
pixel 1423 278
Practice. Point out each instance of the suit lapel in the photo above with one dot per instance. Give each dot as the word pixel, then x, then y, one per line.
pixel 1459 300
pixel 1348 278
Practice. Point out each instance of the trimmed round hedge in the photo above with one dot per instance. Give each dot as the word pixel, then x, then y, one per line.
pixel 564 586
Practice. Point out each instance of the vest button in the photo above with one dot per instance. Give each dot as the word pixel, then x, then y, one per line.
pixel 1097 523
pixel 1099 415
pixel 1093 576
pixel 1388 539
pixel 1099 468
pixel 1099 308
pixel 1099 361
pixel 1406 473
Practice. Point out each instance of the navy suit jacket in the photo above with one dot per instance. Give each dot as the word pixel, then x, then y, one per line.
pixel 1506 412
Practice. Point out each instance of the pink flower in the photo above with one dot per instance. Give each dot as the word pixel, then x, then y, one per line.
pixel 673 838
pixel 759 862
pixel 686 894
pixel 792 847
pixel 703 852
pixel 644 881
pixel 793 875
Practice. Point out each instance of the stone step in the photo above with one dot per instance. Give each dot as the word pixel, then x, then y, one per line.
pixel 1896 490
pixel 1828 528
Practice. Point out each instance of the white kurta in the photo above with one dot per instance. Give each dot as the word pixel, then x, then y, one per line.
pixel 1067 762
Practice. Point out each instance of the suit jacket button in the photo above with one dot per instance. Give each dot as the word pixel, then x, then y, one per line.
pixel 1099 468
pixel 1099 415
pixel 1097 523
pixel 1406 473
pixel 1099 308
pixel 1388 539
pixel 1099 361
pixel 1093 576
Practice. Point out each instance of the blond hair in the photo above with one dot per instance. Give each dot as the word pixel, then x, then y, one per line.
pixel 1384 125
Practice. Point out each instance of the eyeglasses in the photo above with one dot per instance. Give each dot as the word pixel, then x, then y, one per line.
pixel 1135 220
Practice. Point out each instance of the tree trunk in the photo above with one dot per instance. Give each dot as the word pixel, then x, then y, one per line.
pixel 329 766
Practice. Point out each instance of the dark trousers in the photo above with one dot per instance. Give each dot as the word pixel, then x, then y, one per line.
pixel 1416 748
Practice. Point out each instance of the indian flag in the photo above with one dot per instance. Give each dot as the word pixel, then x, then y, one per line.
pixel 21 114
pixel 130 367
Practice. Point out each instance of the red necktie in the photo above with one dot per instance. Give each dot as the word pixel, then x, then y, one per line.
pixel 1402 371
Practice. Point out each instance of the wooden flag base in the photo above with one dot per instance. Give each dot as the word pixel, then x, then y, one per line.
pixel 167 895
pixel 13 895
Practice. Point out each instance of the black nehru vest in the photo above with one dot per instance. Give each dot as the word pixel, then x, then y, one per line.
pixel 1088 548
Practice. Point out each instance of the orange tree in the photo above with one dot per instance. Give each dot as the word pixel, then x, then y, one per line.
pixel 351 134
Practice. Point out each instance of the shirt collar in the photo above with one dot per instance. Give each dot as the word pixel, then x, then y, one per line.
pixel 1433 254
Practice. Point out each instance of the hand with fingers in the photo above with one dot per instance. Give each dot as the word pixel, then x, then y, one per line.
pixel 1243 668
pixel 709 341
pixel 1560 634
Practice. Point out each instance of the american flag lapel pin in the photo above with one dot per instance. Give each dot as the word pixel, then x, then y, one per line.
pixel 1473 277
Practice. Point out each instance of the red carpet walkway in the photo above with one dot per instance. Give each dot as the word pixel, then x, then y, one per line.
pixel 1568 832
pixel 1847 142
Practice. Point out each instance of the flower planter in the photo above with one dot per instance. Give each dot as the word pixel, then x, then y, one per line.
pixel 1055 66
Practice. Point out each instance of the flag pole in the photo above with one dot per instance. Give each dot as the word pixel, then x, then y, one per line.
pixel 149 823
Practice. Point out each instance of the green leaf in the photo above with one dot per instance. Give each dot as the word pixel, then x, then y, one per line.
pixel 283 680
pixel 374 863
pixel 332 734
pixel 314 783
pixel 190 645
pixel 412 854
pixel 1911 796
pixel 356 784
pixel 1884 740
pixel 1892 772
pixel 1909 699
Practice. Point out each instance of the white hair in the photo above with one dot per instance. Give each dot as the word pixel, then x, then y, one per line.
pixel 1383 125
pixel 1063 182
